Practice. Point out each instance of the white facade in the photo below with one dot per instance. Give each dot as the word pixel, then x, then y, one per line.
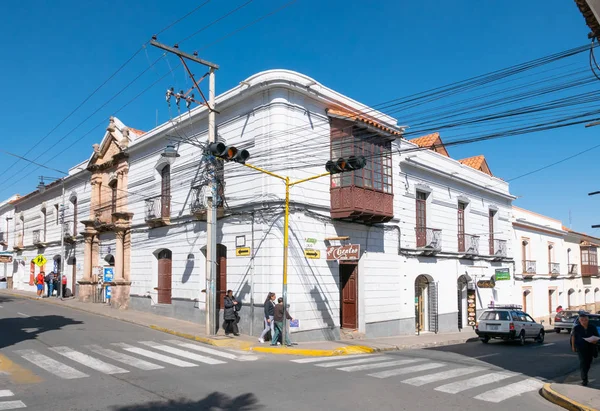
pixel 548 266
pixel 6 240
pixel 36 229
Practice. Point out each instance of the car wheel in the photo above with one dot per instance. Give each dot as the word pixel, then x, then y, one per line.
pixel 541 336
pixel 522 338
pixel 557 330
pixel 485 339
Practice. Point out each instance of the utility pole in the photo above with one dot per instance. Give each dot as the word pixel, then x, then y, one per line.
pixel 212 203
pixel 62 241
pixel 593 193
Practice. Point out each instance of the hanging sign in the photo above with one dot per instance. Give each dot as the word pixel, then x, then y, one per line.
pixel 502 274
pixel 349 252
pixel 471 308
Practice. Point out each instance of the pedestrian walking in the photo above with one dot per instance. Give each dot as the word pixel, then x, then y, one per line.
pixel 280 323
pixel 49 283
pixel 64 285
pixel 230 314
pixel 584 346
pixel 39 282
pixel 269 308
pixel 56 283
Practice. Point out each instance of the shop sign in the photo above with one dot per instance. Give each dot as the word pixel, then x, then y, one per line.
pixel 502 274
pixel 471 308
pixel 486 284
pixel 349 252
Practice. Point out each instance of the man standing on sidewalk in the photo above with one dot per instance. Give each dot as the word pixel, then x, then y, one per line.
pixel 280 323
pixel 583 345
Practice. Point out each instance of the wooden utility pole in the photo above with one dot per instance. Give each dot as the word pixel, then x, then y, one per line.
pixel 211 212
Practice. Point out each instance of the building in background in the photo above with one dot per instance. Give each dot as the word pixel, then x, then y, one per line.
pixel 7 212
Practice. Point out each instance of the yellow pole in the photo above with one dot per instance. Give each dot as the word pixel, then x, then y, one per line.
pixel 286 224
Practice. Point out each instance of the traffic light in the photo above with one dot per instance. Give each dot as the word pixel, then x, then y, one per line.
pixel 228 153
pixel 343 165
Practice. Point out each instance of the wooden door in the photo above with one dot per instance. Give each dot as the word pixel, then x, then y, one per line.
pixel 461 227
pixel 421 206
pixel 221 275
pixel 164 277
pixel 349 297
pixel 165 191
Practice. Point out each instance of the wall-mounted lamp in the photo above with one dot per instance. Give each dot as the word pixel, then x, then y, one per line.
pixel 41 186
pixel 170 154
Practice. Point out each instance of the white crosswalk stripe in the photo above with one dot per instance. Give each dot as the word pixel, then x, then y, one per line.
pixel 322 359
pixel 364 367
pixel 51 365
pixel 11 405
pixel 459 386
pixel 88 361
pixel 155 356
pixel 352 362
pixel 182 353
pixel 6 393
pixel 509 391
pixel 124 358
pixel 440 376
pixel 212 351
pixel 406 370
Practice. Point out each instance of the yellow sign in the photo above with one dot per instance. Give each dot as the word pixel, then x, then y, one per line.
pixel 313 254
pixel 242 251
pixel 40 260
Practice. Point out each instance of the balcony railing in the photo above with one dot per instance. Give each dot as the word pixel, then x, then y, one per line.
pixel 104 213
pixel 554 268
pixel 38 237
pixel 572 269
pixel 468 244
pixel 198 204
pixel 68 231
pixel 158 209
pixel 430 238
pixel 529 267
pixel 498 247
pixel 18 241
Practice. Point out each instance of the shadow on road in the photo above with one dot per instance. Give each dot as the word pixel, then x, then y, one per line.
pixel 15 330
pixel 5 299
pixel 216 401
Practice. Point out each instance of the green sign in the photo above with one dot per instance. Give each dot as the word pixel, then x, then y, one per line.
pixel 502 274
pixel 416 300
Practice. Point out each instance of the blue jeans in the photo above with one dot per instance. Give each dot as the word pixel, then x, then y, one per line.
pixel 50 288
pixel 279 330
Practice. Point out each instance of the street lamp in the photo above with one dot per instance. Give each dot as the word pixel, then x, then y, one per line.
pixel 170 154
pixel 42 188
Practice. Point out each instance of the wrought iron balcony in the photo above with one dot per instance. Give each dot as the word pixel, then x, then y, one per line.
pixel 498 248
pixel 468 244
pixel 18 241
pixel 69 232
pixel 572 269
pixel 3 239
pixel 39 237
pixel 158 210
pixel 198 206
pixel 529 267
pixel 554 268
pixel 429 238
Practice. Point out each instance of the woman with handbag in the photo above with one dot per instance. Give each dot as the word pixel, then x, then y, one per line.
pixel 230 314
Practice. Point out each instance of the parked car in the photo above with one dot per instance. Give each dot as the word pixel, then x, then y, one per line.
pixel 564 320
pixel 508 322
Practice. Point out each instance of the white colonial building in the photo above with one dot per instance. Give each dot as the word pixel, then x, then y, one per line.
pixel 6 241
pixel 554 266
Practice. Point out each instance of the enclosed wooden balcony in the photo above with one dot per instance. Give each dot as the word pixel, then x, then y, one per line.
pixel 361 204
pixel 588 270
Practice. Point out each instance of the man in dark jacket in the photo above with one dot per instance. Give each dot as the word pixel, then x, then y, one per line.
pixel 50 283
pixel 586 350
pixel 229 314
pixel 279 323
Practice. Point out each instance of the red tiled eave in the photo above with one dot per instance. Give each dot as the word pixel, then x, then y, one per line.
pixel 346 115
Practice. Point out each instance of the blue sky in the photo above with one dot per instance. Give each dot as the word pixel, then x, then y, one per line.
pixel 57 52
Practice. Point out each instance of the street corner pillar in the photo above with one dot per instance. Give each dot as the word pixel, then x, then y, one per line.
pixel 86 284
pixel 121 287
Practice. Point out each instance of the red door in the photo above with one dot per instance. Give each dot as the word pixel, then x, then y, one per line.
pixel 221 275
pixel 421 219
pixel 349 288
pixel 164 277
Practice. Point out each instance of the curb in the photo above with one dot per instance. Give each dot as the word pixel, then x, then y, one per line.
pixel 306 352
pixel 226 342
pixel 563 401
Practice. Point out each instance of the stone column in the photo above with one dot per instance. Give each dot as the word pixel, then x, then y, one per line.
pixel 86 286
pixel 119 257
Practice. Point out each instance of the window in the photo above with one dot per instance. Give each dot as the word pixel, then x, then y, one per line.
pixel 461 226
pixel 377 174
pixel 421 206
pixel 589 256
pixel 113 199
pixel 45 222
pixel 74 201
pixel 495 316
pixel 56 208
pixel 165 191
pixel 491 216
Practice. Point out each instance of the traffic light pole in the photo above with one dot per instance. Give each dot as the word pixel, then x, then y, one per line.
pixel 286 237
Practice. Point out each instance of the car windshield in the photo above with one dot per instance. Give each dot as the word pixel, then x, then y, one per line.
pixel 495 316
pixel 568 315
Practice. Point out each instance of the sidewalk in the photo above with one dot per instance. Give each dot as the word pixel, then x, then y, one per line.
pixel 571 395
pixel 194 331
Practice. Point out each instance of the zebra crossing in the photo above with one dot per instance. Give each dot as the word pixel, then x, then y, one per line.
pixel 425 372
pixel 121 358
pixel 6 403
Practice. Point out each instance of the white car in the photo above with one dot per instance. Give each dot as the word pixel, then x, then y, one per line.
pixel 508 322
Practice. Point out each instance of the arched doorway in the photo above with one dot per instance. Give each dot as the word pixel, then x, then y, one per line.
pixel 461 288
pixel 570 301
pixel 426 304
pixel 221 275
pixel 527 303
pixel 587 302
pixel 164 276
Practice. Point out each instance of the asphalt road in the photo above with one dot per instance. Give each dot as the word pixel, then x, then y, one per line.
pixel 54 358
